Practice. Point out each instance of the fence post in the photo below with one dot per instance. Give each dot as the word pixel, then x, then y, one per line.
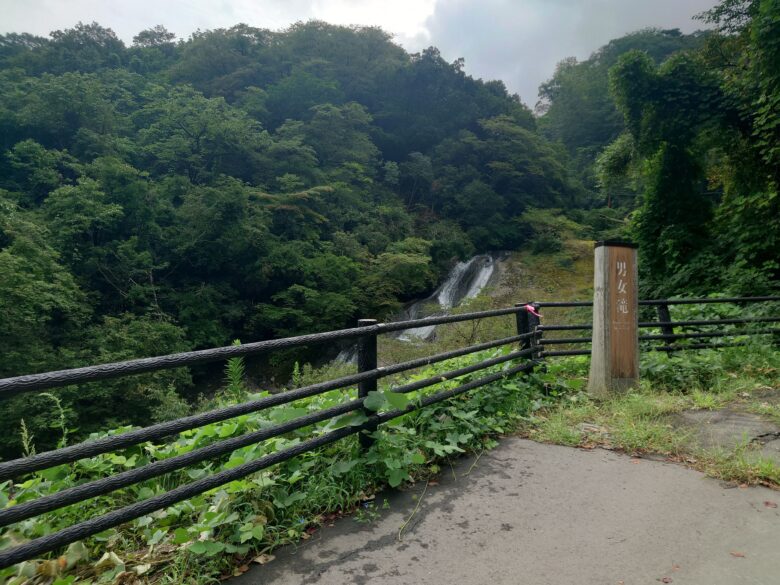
pixel 521 319
pixel 665 317
pixel 366 361
pixel 614 365
pixel 527 322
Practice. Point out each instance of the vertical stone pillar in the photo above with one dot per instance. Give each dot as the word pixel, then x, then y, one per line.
pixel 614 365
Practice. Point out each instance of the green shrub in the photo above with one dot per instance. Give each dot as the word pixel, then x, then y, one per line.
pixel 199 539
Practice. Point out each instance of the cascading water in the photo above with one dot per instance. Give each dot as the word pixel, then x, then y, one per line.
pixel 465 281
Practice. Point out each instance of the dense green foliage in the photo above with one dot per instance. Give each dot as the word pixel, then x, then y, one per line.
pixel 242 183
pixel 250 184
pixel 577 109
pixel 215 534
pixel 210 535
pixel 695 151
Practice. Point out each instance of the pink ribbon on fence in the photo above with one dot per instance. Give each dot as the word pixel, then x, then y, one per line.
pixel 532 310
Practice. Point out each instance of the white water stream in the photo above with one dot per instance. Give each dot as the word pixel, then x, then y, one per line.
pixel 465 281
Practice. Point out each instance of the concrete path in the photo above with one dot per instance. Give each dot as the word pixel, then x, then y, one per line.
pixel 533 514
pixel 733 426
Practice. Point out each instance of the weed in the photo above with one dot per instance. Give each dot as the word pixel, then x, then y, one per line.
pixel 742 465
pixel 366 513
pixel 61 421
pixel 197 540
pixel 28 444
pixel 639 421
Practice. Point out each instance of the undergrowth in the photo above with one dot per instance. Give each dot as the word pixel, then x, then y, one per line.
pixel 643 421
pixel 217 533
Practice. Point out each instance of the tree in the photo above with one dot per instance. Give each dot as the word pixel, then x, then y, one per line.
pixel 708 147
pixel 575 104
pixel 157 36
pixel 202 138
pixel 294 97
pixel 85 47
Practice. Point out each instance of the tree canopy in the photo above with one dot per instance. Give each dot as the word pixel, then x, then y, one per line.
pixel 242 183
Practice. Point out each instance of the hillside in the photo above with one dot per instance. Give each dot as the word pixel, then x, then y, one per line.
pixel 243 183
pixel 248 184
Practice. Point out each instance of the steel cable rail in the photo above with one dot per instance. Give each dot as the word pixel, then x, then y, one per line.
pixel 48 380
pixel 93 526
pixel 106 485
pixel 530 335
pixel 664 323
pixel 221 448
pixel 700 334
pixel 692 346
pixel 657 302
pixel 9 469
pixel 706 322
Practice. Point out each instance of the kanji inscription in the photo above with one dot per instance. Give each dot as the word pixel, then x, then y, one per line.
pixel 622 306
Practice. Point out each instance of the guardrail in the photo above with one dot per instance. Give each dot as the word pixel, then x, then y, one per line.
pixel 366 380
pixel 665 325
pixel 532 349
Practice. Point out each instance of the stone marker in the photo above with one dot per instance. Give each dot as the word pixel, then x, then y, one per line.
pixel 614 365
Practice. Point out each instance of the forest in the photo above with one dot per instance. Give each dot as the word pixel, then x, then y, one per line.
pixel 246 184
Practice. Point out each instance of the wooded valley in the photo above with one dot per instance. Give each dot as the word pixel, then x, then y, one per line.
pixel 247 183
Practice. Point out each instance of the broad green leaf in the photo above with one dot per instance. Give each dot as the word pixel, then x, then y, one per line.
pixel 353 419
pixel 397 400
pixel 244 536
pixel 198 547
pixel 396 476
pixel 180 536
pixel 342 467
pixel 157 537
pixel 374 401
pixel 213 548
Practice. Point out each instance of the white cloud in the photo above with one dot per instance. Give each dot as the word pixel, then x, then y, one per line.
pixel 405 18
pixel 521 41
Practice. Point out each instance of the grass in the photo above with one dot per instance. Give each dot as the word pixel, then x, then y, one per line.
pixel 741 465
pixel 642 422
pixel 634 423
pixel 523 277
pixel 770 411
pixel 210 536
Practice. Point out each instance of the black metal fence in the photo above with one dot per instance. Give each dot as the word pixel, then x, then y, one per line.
pixel 671 332
pixel 532 347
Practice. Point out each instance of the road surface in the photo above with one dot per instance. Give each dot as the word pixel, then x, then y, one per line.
pixel 533 514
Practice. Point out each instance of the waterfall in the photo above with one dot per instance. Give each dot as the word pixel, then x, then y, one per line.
pixel 348 355
pixel 465 281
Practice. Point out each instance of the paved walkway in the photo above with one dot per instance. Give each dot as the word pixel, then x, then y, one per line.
pixel 535 514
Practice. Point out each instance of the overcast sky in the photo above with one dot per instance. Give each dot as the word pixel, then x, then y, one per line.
pixel 517 41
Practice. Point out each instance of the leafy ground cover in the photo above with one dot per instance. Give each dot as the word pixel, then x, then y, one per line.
pixel 213 535
pixel 219 532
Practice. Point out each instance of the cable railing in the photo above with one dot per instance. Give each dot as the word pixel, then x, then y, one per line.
pixel 667 327
pixel 514 362
pixel 532 347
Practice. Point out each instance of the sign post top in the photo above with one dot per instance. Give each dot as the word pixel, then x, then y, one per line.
pixel 617 243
